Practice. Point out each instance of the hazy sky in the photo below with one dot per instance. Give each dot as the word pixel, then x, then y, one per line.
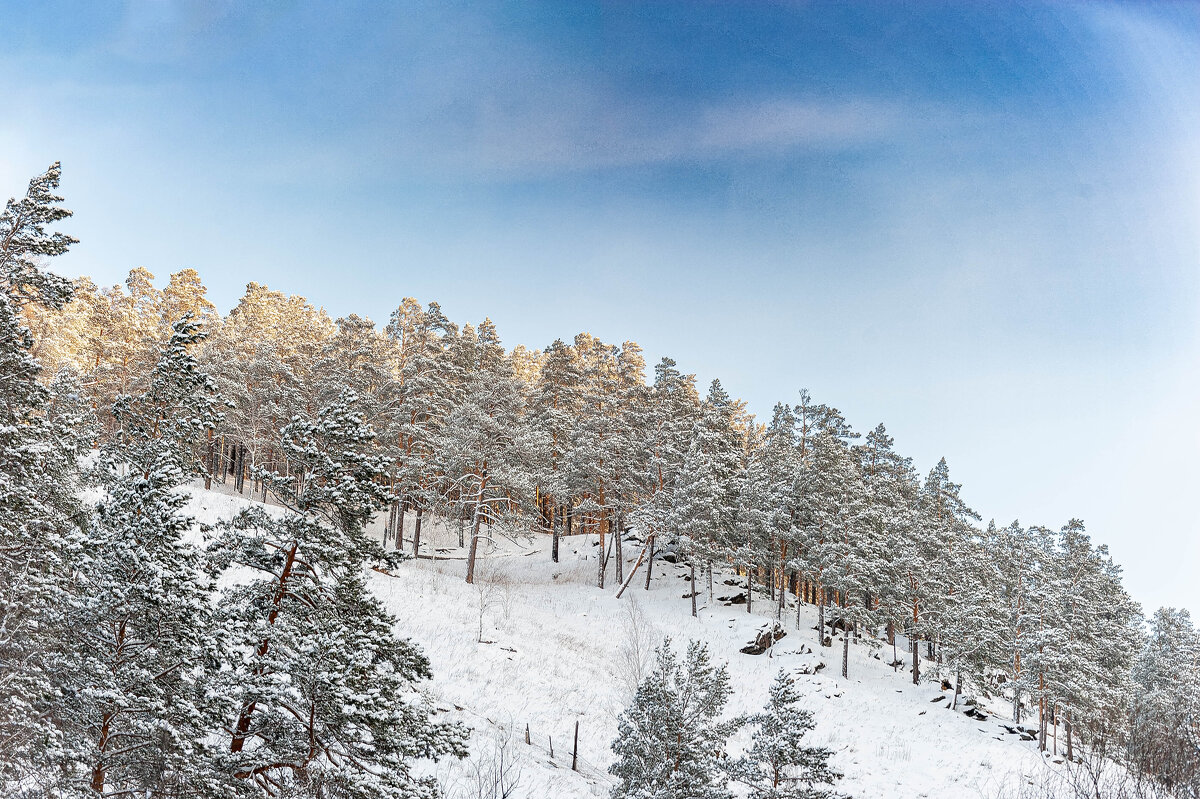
pixel 979 225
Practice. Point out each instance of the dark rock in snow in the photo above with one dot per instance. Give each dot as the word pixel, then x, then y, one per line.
pixel 736 599
pixel 767 635
pixel 938 699
pixel 670 557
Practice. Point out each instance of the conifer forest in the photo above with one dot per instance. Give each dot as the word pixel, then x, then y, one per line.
pixel 146 652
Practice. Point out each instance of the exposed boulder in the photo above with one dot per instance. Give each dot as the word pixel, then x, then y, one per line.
pixel 767 635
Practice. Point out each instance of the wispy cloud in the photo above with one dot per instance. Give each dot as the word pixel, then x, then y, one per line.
pixel 587 131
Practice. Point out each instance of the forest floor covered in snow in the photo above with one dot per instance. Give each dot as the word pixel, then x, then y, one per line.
pixel 536 644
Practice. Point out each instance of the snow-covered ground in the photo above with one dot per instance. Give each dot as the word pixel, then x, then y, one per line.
pixel 556 650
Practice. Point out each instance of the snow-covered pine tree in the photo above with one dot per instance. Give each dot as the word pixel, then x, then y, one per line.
pixel 672 410
pixel 892 490
pixel 24 240
pixel 556 401
pixel 942 518
pixel 670 741
pixel 970 642
pixel 778 765
pixel 1038 631
pixel 625 472
pixel 421 403
pixel 765 508
pixel 842 541
pixel 320 693
pixel 487 450
pixel 1164 734
pixel 138 713
pixel 1093 634
pixel 947 524
pixel 595 440
pixel 40 545
pixel 703 515
pixel 813 497
pixel 1018 561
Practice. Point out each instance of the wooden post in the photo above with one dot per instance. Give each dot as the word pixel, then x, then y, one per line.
pixel 575 750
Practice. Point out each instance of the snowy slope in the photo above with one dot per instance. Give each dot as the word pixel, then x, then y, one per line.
pixel 557 650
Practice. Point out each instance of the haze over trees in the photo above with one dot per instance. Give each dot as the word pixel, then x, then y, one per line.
pixel 120 676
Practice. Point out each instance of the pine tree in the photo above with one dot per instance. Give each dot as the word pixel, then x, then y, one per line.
pixel 703 514
pixel 421 401
pixel 778 765
pixel 892 491
pixel 1164 737
pixel 140 715
pixel 766 502
pixel 845 544
pixel 41 544
pixel 672 410
pixel 670 741
pixel 24 241
pixel 557 400
pixel 319 688
pixel 488 447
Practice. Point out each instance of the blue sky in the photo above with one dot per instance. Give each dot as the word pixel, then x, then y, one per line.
pixel 978 224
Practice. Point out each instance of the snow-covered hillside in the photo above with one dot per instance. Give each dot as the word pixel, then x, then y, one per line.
pixel 556 650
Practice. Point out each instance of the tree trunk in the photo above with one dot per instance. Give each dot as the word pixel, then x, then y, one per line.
pixel 821 615
pixel 650 562
pixel 916 653
pixel 749 588
pixel 693 590
pixel 633 571
pixel 617 543
pixel 554 513
pixel 243 723
pixel 601 555
pixel 417 531
pixel 400 523
pixel 845 655
pixel 475 522
pixel 210 467
pixel 777 583
pixel 98 773
pixel 957 689
pixel 799 604
pixel 389 529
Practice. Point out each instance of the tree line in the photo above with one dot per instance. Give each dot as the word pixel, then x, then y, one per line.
pixel 577 438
